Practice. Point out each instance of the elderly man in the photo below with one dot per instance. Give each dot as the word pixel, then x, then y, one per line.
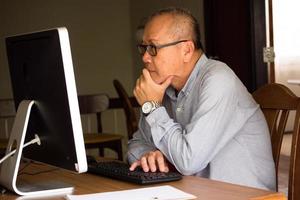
pixel 196 114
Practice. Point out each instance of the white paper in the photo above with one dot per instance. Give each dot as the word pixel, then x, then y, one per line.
pixel 151 193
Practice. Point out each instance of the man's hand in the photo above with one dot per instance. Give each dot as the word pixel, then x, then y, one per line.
pixel 153 161
pixel 147 90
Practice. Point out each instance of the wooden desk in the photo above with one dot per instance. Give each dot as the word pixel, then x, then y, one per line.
pixel 88 183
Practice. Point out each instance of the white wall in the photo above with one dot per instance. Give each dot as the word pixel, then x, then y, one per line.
pixel 287 46
pixel 99 34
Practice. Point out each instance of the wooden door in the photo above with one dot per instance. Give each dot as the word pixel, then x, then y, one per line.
pixel 236 34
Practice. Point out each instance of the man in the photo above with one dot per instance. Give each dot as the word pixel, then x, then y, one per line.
pixel 197 115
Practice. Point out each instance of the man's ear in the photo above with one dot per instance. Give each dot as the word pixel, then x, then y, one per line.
pixel 188 50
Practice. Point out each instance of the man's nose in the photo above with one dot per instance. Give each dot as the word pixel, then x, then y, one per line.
pixel 146 57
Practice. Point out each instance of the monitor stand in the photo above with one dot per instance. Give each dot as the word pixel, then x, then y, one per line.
pixel 10 167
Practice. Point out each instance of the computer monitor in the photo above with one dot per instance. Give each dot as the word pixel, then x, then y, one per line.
pixel 45 96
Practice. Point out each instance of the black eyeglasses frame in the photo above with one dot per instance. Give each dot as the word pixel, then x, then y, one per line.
pixel 152 49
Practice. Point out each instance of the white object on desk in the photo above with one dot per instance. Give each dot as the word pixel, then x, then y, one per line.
pixel 294 81
pixel 151 193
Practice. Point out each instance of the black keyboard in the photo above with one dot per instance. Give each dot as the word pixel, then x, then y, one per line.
pixel 119 170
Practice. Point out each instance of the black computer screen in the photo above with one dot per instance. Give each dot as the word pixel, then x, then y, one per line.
pixel 41 69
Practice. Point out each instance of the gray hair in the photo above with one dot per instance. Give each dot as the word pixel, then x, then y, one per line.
pixel 179 14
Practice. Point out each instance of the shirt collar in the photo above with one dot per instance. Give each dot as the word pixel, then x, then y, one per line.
pixel 191 80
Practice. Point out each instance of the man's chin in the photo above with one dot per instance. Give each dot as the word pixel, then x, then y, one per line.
pixel 158 81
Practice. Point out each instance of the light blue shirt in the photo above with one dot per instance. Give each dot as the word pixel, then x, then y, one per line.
pixel 213 129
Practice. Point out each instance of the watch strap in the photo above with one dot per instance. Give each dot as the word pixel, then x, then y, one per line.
pixel 155 105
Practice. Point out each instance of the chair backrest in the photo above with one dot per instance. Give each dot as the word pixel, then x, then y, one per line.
pixel 128 105
pixel 276 101
pixel 7 108
pixel 294 174
pixel 7 114
pixel 94 104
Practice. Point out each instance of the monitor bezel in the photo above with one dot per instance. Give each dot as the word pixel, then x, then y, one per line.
pixel 66 58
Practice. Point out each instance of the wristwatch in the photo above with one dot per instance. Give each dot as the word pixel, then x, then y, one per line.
pixel 150 106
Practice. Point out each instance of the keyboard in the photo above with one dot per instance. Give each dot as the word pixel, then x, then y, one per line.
pixel 119 170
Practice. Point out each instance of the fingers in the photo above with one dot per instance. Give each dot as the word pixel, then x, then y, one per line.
pixel 134 165
pixel 146 76
pixel 148 162
pixel 146 89
pixel 138 92
pixel 152 161
pixel 162 165
pixel 166 168
pixel 144 164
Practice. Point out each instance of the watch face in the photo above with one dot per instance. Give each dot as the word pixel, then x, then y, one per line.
pixel 147 107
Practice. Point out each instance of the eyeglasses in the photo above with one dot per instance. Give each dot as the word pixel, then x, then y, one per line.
pixel 152 49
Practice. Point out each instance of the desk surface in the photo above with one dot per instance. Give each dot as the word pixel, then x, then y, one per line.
pixel 88 183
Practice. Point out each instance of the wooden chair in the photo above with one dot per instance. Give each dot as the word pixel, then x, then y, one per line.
pixel 294 174
pixel 96 104
pixel 128 104
pixel 277 101
pixel 7 112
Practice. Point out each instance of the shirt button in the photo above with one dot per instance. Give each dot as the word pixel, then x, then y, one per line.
pixel 178 109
